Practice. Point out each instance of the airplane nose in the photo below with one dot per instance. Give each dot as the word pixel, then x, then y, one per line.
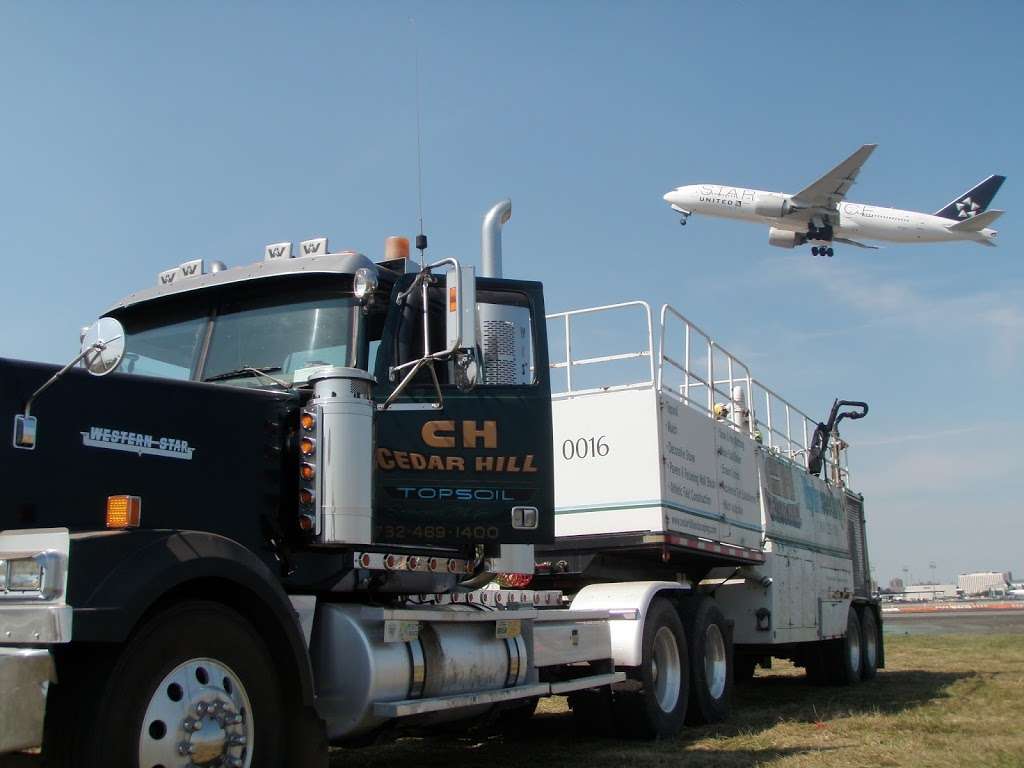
pixel 668 197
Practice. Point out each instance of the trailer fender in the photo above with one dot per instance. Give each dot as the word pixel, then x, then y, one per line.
pixel 117 578
pixel 629 601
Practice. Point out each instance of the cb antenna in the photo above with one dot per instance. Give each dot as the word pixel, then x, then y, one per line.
pixel 421 238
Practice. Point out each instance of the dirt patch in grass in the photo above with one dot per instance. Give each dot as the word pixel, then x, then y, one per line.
pixel 943 701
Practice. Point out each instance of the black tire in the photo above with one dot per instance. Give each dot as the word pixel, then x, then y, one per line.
pixel 656 709
pixel 844 656
pixel 197 638
pixel 711 674
pixel 869 644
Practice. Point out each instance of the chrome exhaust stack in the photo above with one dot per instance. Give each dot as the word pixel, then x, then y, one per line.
pixel 490 237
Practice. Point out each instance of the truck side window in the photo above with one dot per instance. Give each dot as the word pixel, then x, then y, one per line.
pixel 159 348
pixel 504 334
pixel 409 338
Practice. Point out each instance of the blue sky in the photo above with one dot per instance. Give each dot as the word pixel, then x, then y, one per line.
pixel 132 139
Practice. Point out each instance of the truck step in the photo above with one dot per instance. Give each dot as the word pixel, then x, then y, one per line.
pixel 409 707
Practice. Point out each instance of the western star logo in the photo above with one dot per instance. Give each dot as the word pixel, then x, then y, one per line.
pixel 967 208
pixel 137 442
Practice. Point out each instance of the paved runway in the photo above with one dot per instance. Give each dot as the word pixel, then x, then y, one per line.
pixel 955 623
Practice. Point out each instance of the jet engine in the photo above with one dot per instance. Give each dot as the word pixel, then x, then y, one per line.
pixel 783 238
pixel 771 205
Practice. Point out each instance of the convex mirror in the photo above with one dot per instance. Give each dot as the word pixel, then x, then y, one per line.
pixel 103 346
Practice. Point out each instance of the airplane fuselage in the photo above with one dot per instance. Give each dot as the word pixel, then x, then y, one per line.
pixel 856 221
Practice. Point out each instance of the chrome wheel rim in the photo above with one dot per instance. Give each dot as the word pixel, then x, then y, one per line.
pixel 666 669
pixel 716 666
pixel 853 639
pixel 199 715
pixel 870 648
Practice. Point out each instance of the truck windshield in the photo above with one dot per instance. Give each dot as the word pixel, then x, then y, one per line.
pixel 284 337
pixel 283 340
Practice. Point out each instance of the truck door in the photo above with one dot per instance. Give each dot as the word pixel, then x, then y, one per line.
pixel 460 464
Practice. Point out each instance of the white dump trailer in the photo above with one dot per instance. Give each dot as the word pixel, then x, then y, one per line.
pixel 676 468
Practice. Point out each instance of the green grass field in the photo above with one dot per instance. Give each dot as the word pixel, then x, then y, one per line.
pixel 943 701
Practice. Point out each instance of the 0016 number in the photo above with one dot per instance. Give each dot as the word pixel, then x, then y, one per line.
pixel 584 448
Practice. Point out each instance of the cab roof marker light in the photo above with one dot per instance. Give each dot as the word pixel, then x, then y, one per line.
pixel 276 251
pixel 316 246
pixel 184 271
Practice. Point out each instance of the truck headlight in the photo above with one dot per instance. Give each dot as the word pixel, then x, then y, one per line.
pixel 39 576
pixel 25 575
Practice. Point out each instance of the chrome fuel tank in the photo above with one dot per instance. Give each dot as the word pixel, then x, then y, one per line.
pixel 360 660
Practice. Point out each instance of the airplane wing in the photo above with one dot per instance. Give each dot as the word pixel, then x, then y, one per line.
pixel 831 188
pixel 854 242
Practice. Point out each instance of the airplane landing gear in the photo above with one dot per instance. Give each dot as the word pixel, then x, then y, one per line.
pixel 682 221
pixel 822 251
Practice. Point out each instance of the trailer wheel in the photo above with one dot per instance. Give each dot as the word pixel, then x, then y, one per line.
pixel 869 644
pixel 843 657
pixel 711 675
pixel 658 708
pixel 195 686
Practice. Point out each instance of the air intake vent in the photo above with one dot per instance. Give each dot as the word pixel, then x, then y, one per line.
pixel 499 352
pixel 858 545
pixel 505 344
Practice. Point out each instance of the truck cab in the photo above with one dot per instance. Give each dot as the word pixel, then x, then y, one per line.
pixel 319 458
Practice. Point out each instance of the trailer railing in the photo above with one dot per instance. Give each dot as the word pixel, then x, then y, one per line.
pixel 569 363
pixel 695 369
pixel 705 367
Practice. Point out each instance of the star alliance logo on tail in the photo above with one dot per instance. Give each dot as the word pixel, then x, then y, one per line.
pixel 967 208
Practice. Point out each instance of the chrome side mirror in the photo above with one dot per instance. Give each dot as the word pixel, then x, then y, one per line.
pixel 102 351
pixel 103 346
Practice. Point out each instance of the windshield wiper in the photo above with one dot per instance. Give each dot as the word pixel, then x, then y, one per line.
pixel 250 370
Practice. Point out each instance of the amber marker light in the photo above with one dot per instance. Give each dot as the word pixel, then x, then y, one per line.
pixel 308 421
pixel 453 302
pixel 307 471
pixel 124 511
pixel 305 496
pixel 307 446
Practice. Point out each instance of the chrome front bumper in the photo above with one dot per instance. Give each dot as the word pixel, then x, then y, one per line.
pixel 26 673
pixel 25 676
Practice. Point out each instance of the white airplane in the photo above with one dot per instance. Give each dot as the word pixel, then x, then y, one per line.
pixel 820 214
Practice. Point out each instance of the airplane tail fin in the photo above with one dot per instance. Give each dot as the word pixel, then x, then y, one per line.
pixel 975 223
pixel 972 202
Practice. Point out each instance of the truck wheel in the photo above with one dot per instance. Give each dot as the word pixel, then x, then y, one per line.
pixel 195 686
pixel 844 656
pixel 658 709
pixel 869 644
pixel 710 661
